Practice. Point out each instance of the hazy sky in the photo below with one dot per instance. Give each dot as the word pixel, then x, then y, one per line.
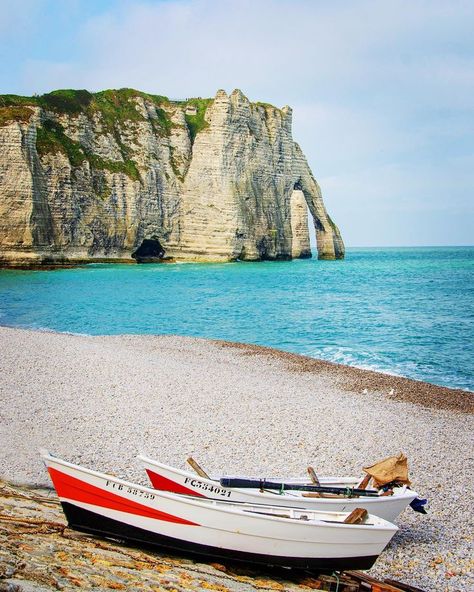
pixel 382 92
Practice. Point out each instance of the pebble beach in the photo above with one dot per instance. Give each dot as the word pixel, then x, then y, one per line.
pixel 99 401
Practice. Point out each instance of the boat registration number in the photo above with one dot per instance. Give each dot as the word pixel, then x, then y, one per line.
pixel 132 490
pixel 207 487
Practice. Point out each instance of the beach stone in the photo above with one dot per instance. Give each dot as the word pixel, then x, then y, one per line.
pixel 99 401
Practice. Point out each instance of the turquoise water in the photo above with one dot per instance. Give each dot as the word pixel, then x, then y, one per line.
pixel 405 311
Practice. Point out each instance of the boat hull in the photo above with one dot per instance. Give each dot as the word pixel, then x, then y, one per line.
pixel 168 478
pixel 107 506
pixel 93 523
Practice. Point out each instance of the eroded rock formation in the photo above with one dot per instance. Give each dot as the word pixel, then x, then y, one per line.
pixel 89 177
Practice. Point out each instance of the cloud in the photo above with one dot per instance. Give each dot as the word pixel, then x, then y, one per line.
pixel 18 19
pixel 287 50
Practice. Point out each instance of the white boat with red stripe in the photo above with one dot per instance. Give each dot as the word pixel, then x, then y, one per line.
pixel 167 478
pixel 105 505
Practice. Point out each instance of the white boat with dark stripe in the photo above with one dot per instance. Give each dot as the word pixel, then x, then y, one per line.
pixel 167 478
pixel 105 505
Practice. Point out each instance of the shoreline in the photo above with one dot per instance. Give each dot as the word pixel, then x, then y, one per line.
pixel 100 401
pixel 351 378
pixel 354 379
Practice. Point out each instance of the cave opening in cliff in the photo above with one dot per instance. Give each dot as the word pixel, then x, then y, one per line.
pixel 151 250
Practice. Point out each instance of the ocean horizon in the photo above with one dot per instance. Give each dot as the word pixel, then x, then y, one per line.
pixel 407 311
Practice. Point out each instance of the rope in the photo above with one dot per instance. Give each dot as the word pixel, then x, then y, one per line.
pixel 41 499
pixel 34 526
pixel 8 490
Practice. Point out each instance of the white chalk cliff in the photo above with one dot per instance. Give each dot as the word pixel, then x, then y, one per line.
pixel 89 177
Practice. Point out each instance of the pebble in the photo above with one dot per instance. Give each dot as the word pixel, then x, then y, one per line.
pixel 99 401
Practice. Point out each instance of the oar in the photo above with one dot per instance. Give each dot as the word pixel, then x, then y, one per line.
pixel 263 484
pixel 199 470
pixel 313 476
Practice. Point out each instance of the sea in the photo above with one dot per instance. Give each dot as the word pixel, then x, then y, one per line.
pixel 402 311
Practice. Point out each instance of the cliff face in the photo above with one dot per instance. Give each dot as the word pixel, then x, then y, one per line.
pixel 89 177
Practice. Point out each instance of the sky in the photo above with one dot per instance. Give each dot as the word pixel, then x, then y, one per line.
pixel 382 92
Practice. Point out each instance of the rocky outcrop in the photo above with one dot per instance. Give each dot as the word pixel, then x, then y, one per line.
pixel 300 245
pixel 89 177
pixel 39 553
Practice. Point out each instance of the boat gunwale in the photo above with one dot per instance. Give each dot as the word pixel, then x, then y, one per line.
pixel 212 480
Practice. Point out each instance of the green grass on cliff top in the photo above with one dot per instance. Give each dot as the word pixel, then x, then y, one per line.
pixel 113 107
pixel 75 101
pixel 196 123
pixel 112 104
